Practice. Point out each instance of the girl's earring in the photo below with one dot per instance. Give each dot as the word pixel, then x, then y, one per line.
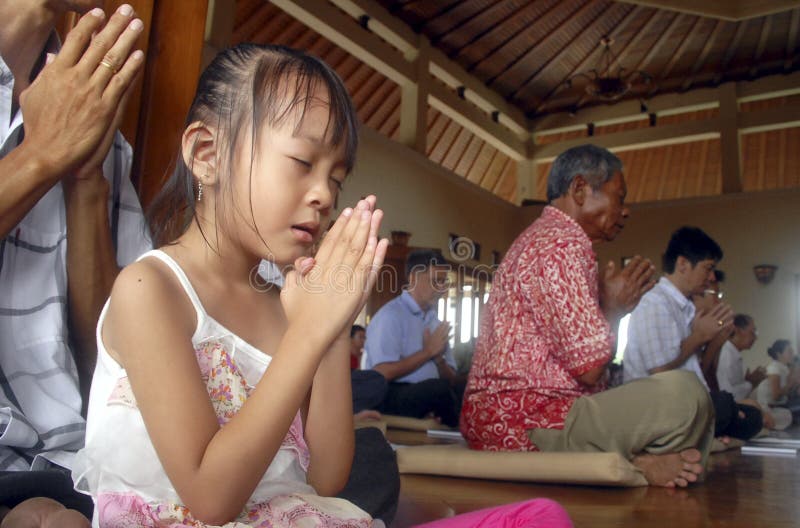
pixel 199 190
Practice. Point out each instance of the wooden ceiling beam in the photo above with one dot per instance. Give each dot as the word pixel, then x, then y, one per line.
pixel 637 139
pixel 340 29
pixel 764 88
pixel 777 118
pixel 399 35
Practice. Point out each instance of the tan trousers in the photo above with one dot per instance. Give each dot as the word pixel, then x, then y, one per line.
pixel 665 413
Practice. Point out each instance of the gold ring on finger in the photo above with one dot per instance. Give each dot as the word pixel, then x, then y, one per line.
pixel 108 64
pixel 720 322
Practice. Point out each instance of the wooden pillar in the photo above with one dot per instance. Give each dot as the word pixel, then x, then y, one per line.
pixel 174 56
pixel 414 103
pixel 526 180
pixel 729 139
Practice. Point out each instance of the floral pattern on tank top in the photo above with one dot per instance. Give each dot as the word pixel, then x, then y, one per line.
pixel 227 390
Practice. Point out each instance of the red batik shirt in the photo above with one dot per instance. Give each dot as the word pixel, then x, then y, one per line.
pixel 541 329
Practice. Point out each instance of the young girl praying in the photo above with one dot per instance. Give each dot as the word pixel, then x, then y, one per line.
pixel 217 401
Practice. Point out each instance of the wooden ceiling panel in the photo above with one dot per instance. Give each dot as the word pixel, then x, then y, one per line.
pixel 482 41
pixel 506 186
pixel 485 156
pixel 520 36
pixel 770 160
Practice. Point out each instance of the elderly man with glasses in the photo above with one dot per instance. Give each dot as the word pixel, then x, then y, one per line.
pixel 408 344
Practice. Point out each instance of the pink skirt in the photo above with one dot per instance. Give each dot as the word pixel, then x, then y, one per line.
pixel 535 513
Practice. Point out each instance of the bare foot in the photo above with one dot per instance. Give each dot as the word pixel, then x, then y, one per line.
pixel 670 470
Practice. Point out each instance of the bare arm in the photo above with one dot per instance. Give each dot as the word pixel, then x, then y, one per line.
pixel 329 422
pixel 25 179
pixel 392 370
pixel 433 344
pixel 91 268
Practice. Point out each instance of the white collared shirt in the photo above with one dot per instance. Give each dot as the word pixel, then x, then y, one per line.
pixel 40 401
pixel 658 325
pixel 730 372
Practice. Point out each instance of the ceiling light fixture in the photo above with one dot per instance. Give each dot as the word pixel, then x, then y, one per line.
pixel 605 84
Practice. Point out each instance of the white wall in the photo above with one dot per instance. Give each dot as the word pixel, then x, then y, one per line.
pixel 426 200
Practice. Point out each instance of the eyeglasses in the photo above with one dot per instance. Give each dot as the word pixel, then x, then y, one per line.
pixel 713 293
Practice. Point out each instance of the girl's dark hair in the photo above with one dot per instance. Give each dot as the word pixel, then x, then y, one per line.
pixel 777 348
pixel 244 88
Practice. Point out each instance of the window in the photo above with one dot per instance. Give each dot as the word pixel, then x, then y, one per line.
pixel 461 307
pixel 622 339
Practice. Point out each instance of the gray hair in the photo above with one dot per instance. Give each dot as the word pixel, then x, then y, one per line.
pixel 597 165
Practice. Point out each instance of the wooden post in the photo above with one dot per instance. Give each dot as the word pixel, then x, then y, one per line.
pixel 174 57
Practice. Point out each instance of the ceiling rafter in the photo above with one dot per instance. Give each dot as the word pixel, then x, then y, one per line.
pixel 766 26
pixel 454 4
pixel 701 59
pixel 584 30
pixel 687 38
pixel 791 39
pixel 489 56
pixel 660 41
pixel 464 21
pixel 534 50
pixel 498 25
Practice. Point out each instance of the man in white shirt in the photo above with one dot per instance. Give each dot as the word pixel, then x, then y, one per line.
pixel 731 374
pixel 69 217
pixel 666 332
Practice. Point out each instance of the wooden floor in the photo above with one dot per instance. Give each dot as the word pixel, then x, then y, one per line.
pixel 739 490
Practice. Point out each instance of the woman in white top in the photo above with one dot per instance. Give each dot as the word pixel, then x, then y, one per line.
pixel 782 375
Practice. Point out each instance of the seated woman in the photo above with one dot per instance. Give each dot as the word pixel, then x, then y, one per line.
pixel 782 386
